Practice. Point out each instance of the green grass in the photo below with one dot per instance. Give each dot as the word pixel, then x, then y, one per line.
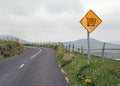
pixel 95 74
pixel 9 48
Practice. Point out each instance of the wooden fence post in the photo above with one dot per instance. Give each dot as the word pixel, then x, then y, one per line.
pixel 82 51
pixel 69 47
pixel 78 50
pixel 17 40
pixel 103 52
pixel 66 48
pixel 73 48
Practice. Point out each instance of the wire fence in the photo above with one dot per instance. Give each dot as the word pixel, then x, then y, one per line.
pixel 112 53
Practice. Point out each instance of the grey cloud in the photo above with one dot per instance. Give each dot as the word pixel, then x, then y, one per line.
pixel 58 6
pixel 25 7
pixel 50 19
pixel 18 7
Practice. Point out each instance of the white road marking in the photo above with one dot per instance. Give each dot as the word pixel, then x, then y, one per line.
pixel 22 65
pixel 67 80
pixel 36 54
pixel 62 71
pixel 31 57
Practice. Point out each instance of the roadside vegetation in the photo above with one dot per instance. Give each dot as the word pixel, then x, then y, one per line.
pixel 53 46
pixel 80 73
pixel 10 48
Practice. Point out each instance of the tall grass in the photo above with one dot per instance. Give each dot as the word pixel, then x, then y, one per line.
pixel 95 74
pixel 9 48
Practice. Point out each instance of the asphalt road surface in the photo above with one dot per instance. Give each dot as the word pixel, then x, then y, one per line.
pixel 35 67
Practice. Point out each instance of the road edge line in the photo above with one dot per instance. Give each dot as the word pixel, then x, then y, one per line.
pixel 66 78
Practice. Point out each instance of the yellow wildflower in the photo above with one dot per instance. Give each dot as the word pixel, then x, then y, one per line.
pixel 88 80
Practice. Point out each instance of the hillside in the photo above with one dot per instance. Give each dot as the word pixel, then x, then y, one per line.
pixel 93 43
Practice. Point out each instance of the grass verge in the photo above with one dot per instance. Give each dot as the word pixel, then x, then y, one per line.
pixel 9 48
pixel 80 73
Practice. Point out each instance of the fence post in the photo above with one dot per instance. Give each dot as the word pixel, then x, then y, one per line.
pixel 103 52
pixel 66 48
pixel 69 47
pixel 73 48
pixel 82 51
pixel 17 40
pixel 78 50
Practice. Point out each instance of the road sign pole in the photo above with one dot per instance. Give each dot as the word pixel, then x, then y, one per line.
pixel 90 21
pixel 88 40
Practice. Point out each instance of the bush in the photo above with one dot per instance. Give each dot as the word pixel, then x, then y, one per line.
pixel 9 48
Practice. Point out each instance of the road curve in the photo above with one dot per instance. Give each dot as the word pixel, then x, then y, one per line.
pixel 35 67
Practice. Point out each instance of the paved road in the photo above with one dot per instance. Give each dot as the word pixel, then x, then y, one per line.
pixel 35 67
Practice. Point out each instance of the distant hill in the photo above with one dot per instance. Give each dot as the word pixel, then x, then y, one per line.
pixel 115 42
pixel 96 44
pixel 12 38
pixel 93 43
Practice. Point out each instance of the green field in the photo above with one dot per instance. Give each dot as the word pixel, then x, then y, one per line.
pixel 80 73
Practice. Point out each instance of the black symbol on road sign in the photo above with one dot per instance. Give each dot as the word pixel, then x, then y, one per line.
pixel 91 21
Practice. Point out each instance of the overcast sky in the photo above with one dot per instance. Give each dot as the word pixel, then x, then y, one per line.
pixel 58 20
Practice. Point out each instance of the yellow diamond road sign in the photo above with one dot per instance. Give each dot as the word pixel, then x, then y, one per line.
pixel 90 21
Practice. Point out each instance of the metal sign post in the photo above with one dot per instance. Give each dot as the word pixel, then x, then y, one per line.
pixel 88 40
pixel 90 21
